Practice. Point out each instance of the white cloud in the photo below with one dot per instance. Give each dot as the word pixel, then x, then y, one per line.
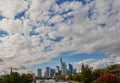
pixel 81 33
pixel 9 8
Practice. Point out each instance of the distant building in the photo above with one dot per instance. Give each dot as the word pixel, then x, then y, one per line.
pixel 39 72
pixel 74 70
pixel 52 72
pixel 11 70
pixel 57 70
pixel 82 67
pixel 70 69
pixel 47 72
pixel 63 68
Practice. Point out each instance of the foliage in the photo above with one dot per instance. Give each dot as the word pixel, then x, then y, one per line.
pixel 26 78
pixel 7 79
pixel 15 77
pixel 107 78
pixel 70 77
pixel 99 72
pixel 114 68
pixel 87 75
pixel 76 77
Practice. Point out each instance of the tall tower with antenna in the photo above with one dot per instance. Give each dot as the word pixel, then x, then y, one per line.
pixel 63 67
pixel 11 70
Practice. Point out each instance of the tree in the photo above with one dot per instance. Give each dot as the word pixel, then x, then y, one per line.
pixel 108 78
pixel 70 77
pixel 6 79
pixel 77 77
pixel 87 75
pixel 26 78
pixel 15 77
pixel 99 72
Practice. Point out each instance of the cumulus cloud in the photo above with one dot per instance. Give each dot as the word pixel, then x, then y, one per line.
pixel 49 29
pixel 10 8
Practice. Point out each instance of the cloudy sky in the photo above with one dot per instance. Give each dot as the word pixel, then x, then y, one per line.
pixel 37 33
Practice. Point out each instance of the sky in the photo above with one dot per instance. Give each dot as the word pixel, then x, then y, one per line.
pixel 37 33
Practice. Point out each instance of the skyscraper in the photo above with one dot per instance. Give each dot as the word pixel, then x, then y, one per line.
pixel 52 72
pixel 63 68
pixel 39 72
pixel 47 72
pixel 57 70
pixel 70 69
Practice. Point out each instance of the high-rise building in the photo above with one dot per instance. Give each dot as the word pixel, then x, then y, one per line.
pixel 39 72
pixel 52 72
pixel 57 70
pixel 63 68
pixel 70 69
pixel 47 72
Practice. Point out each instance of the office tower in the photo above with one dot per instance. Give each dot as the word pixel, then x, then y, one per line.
pixel 39 72
pixel 63 68
pixel 70 69
pixel 52 72
pixel 57 70
pixel 47 72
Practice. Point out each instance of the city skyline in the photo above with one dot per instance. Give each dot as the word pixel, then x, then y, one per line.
pixel 63 69
pixel 37 33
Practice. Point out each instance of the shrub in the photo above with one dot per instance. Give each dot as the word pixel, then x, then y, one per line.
pixel 108 78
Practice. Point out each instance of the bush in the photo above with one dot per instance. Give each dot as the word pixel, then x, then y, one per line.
pixel 108 78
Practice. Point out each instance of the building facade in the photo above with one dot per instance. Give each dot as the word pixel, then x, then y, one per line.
pixel 63 68
pixel 70 69
pixel 39 72
pixel 57 70
pixel 52 72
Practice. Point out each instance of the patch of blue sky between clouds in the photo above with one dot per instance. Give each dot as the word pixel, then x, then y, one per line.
pixel 31 33
pixel 20 15
pixel 63 1
pixel 3 33
pixel 63 14
pixel 48 48
pixel 91 14
pixel 57 39
pixel 1 17
pixel 102 25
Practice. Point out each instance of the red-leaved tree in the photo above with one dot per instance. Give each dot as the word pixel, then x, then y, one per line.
pixel 107 78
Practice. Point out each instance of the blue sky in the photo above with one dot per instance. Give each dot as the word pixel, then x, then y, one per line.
pixel 70 59
pixel 37 33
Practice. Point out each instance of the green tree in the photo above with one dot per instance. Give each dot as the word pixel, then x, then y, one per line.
pixel 87 75
pixel 70 77
pixel 77 77
pixel 26 78
pixel 6 79
pixel 15 77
